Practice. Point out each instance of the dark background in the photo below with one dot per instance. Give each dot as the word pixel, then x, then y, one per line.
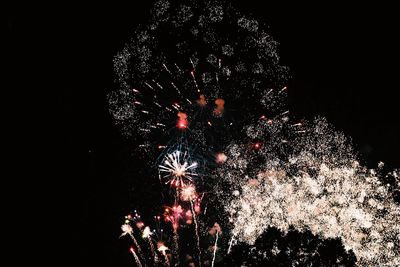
pixel 344 61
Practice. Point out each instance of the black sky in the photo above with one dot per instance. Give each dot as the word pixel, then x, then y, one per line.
pixel 344 61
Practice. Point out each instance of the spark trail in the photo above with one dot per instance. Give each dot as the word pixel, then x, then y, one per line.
pixel 215 249
pixel 135 257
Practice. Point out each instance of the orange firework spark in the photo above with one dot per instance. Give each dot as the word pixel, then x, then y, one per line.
pixel 202 101
pixel 182 120
pixel 219 109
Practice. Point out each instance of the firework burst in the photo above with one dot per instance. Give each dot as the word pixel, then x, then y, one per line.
pixel 187 85
pixel 177 170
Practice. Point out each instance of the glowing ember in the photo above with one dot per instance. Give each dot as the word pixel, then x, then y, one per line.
pixel 182 121
pixel 221 158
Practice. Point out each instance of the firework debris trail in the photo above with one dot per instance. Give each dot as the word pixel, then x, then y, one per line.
pixel 135 257
pixel 231 243
pixel 128 230
pixel 202 93
pixel 196 231
pixel 215 248
pixel 147 235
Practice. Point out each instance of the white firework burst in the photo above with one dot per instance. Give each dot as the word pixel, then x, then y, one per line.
pixel 177 169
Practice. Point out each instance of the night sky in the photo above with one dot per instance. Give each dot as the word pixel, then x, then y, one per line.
pixel 343 59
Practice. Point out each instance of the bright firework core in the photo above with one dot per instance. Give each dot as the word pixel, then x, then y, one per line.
pixel 188 193
pixel 177 168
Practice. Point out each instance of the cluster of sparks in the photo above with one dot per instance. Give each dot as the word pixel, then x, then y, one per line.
pixel 346 202
pixel 154 240
pixel 177 169
pixel 259 171
pixel 174 216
